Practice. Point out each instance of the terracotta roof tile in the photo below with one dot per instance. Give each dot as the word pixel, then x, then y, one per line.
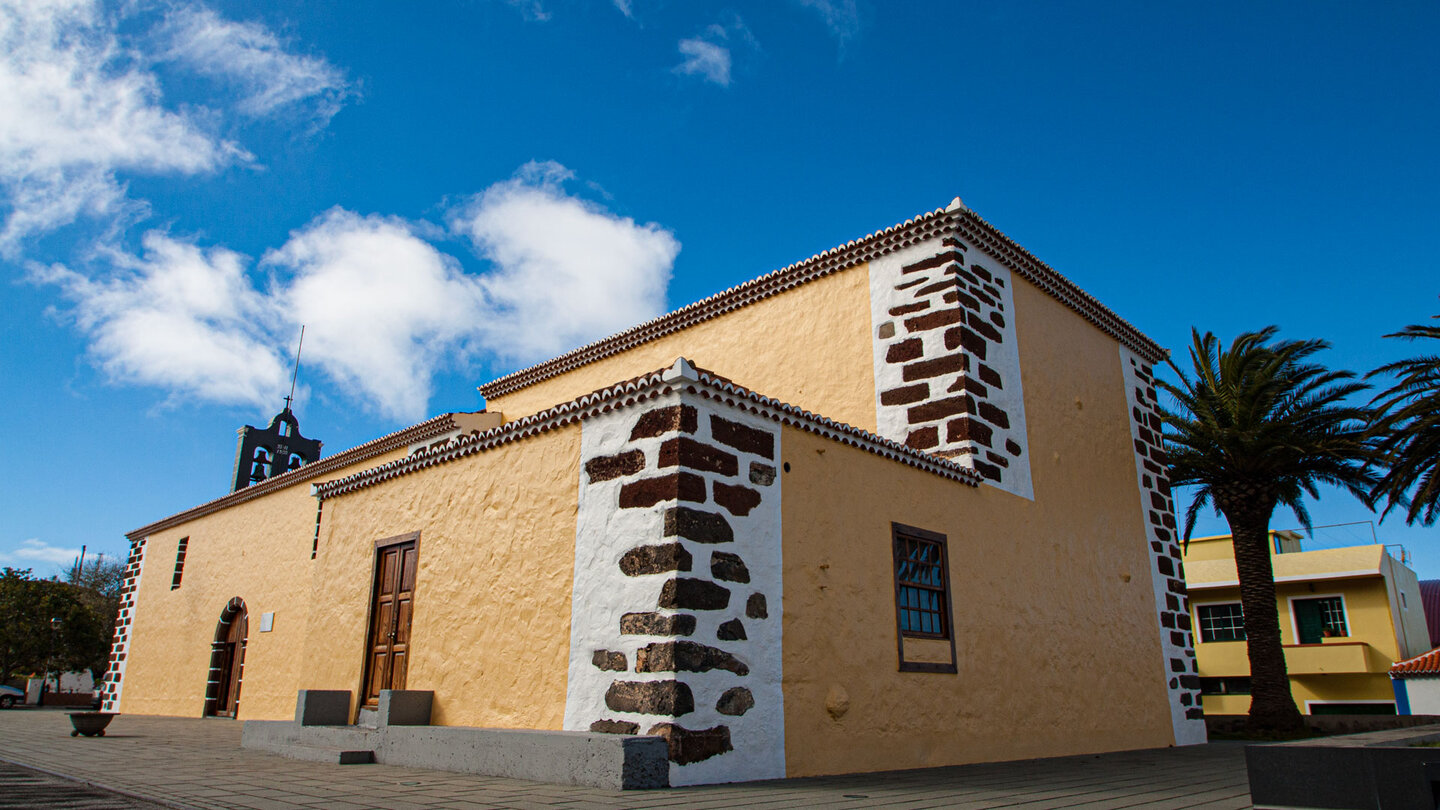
pixel 1420 665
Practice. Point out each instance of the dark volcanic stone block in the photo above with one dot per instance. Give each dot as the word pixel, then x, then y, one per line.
pixel 924 438
pixel 733 630
pixel 755 606
pixel 739 500
pixel 742 437
pixel 688 746
pixel 906 309
pixel 904 350
pixel 609 660
pixel 736 701
pixel 905 394
pixel 684 486
pixel 934 320
pixel 683 451
pixel 650 697
pixel 938 260
pixel 959 430
pixel 762 474
pixel 693 594
pixel 995 416
pixel 945 364
pixel 657 624
pixel 941 408
pixel 701 527
pixel 616 726
pixel 665 420
pixel 604 468
pixel 643 560
pixel 728 567
pixel 686 656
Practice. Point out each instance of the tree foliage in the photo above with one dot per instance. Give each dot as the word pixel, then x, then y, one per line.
pixel 1408 431
pixel 1259 426
pixel 30 644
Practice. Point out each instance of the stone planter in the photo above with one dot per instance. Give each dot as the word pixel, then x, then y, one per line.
pixel 91 724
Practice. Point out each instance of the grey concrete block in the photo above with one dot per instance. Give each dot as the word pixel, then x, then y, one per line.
pixel 404 707
pixel 322 707
pixel 610 761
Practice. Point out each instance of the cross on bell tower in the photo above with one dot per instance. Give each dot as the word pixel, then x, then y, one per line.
pixel 267 452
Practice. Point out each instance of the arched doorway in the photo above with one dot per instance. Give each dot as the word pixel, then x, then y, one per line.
pixel 227 659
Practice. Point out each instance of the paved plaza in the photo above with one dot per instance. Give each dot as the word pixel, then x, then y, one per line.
pixel 192 763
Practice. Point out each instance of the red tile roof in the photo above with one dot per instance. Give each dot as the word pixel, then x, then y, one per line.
pixel 1420 665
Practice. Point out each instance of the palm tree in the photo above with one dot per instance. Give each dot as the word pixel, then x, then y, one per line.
pixel 1258 427
pixel 1408 432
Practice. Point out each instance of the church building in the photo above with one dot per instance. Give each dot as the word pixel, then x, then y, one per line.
pixel 901 504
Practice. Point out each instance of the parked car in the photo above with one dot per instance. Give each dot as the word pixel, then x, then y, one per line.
pixel 9 696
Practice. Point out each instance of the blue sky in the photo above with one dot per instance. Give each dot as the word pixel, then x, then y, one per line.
pixel 489 183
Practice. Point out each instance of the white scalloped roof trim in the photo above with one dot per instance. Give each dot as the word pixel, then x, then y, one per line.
pixel 435 426
pixel 941 221
pixel 640 389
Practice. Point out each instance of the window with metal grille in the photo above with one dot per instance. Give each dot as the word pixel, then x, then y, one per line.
pixel 1221 622
pixel 920 596
pixel 179 562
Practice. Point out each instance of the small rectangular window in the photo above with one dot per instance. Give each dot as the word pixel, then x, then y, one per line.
pixel 920 587
pixel 1221 622
pixel 179 562
pixel 1225 686
pixel 923 619
pixel 1317 619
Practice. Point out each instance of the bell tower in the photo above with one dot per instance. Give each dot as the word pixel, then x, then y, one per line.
pixel 267 452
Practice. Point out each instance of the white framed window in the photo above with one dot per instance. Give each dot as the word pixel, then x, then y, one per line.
pixel 1220 621
pixel 1316 618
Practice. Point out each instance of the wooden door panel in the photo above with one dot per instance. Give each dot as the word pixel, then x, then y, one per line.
pixel 388 649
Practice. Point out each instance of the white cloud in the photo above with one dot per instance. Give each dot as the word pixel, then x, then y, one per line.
pixel 254 59
pixel 625 7
pixel 78 107
pixel 179 318
pixel 707 59
pixel 532 10
pixel 566 271
pixel 383 308
pixel 82 105
pixel 33 552
pixel 840 16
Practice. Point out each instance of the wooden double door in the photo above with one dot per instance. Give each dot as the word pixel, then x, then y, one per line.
pixel 387 651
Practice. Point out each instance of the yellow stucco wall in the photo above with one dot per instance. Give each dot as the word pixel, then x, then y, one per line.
pixel 259 551
pixel 1054 611
pixel 490 633
pixel 491 627
pixel 1368 618
pixel 809 346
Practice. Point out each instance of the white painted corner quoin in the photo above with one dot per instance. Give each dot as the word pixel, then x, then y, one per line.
pixel 676 618
pixel 1167 576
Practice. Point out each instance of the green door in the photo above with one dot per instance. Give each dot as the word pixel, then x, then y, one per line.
pixel 1309 620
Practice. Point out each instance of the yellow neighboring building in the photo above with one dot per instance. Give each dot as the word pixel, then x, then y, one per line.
pixel 853 531
pixel 1346 615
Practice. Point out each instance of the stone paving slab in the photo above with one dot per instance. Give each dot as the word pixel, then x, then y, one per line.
pixel 193 763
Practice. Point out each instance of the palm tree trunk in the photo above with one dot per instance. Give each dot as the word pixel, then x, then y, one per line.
pixel 1272 707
